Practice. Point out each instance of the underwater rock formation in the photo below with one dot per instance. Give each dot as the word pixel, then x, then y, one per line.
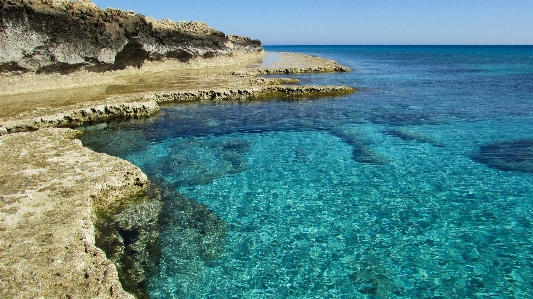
pixel 408 135
pixel 63 36
pixel 507 156
pixel 403 119
pixel 197 237
pixel 361 152
pixel 129 237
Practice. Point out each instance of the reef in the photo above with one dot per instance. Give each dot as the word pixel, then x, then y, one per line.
pixel 507 156
pixel 361 151
pixel 63 36
pixel 408 135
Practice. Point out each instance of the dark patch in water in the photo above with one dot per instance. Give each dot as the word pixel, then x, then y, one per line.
pixel 185 166
pixel 234 145
pixel 361 152
pixel 198 227
pixel 130 236
pixel 233 152
pixel 403 119
pixel 411 136
pixel 507 156
pixel 182 170
pixel 193 236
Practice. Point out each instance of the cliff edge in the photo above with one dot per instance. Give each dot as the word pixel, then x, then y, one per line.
pixel 64 36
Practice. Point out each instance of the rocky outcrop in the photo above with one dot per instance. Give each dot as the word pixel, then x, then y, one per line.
pixel 51 188
pixel 63 36
pixel 76 117
pixel 144 105
pixel 250 94
pixel 294 63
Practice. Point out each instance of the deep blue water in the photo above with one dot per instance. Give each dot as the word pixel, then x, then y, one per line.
pixel 419 185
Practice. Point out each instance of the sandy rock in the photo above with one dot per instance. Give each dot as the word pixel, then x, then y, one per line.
pixel 50 188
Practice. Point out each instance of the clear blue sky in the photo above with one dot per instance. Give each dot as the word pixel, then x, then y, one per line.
pixel 352 22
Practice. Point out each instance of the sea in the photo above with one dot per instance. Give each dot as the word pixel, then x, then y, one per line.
pixel 418 185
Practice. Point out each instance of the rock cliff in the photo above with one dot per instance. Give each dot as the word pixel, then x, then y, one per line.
pixel 63 36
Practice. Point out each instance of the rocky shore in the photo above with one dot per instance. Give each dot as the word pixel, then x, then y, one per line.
pixel 63 208
pixel 145 105
pixel 52 188
pixel 62 36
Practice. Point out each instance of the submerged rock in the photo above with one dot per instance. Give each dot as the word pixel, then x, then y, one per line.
pixel 190 164
pixel 404 119
pixel 193 238
pixel 507 156
pixel 361 152
pixel 129 238
pixel 163 230
pixel 411 136
pixel 65 36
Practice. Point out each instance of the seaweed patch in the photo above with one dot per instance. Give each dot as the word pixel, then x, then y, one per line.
pixel 507 156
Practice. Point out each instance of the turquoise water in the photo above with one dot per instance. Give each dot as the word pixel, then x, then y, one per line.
pixel 419 185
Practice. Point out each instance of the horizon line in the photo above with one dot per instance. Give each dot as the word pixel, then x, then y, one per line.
pixel 408 45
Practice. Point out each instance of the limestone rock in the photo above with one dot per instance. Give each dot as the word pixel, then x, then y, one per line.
pixel 50 189
pixel 51 36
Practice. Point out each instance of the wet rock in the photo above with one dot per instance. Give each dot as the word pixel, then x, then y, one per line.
pixel 128 235
pixel 507 156
pixel 65 36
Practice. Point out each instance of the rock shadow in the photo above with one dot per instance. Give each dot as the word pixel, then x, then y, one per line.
pixel 128 234
pixel 192 238
pixel 157 231
pixel 133 54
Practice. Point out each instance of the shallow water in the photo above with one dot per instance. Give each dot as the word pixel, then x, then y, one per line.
pixel 419 185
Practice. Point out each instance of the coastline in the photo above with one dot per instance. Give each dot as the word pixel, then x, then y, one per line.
pixel 53 189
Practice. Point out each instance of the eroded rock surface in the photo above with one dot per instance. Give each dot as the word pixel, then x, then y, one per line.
pixel 63 36
pixel 51 187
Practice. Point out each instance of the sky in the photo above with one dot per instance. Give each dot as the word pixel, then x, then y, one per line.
pixel 353 22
